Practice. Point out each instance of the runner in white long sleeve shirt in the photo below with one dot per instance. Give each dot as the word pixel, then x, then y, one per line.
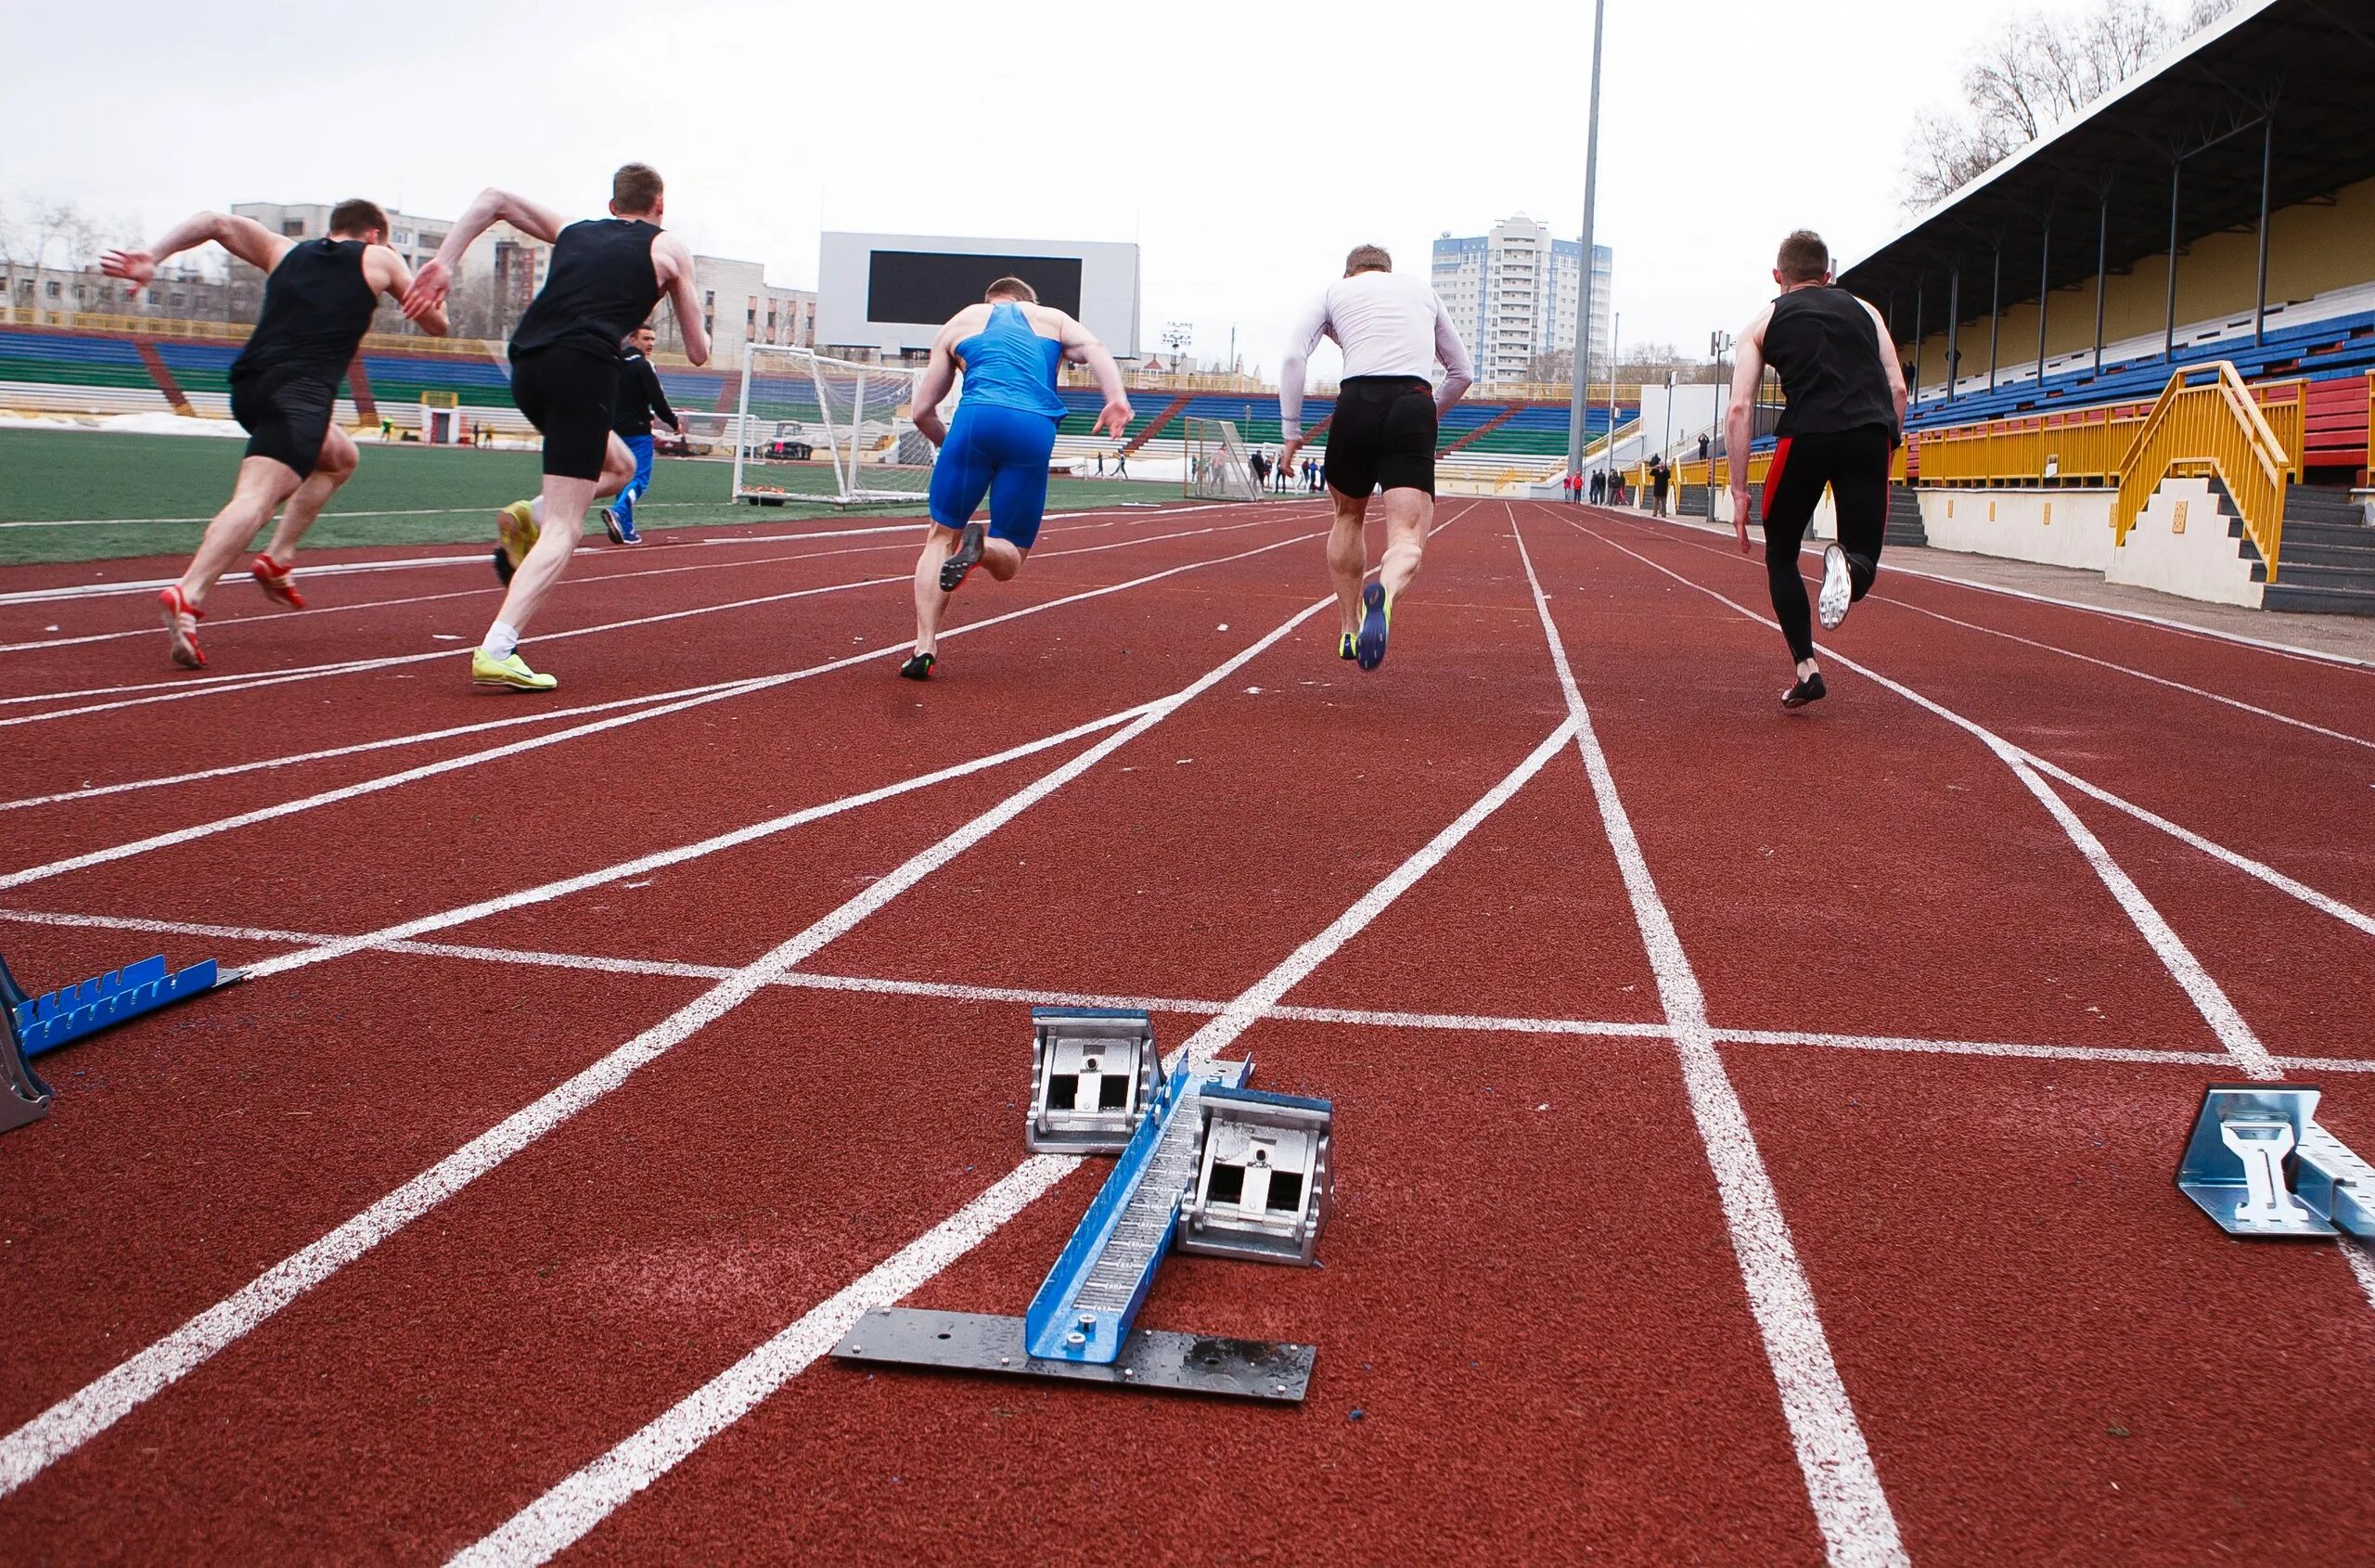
pixel 1393 331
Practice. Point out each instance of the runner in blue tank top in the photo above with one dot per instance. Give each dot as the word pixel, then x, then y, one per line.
pixel 999 445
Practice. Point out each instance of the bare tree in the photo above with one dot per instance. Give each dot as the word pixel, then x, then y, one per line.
pixel 2038 73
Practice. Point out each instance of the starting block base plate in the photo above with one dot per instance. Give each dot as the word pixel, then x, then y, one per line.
pixel 973 1342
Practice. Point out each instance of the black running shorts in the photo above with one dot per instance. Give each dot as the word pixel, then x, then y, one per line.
pixel 567 394
pixel 1383 435
pixel 286 415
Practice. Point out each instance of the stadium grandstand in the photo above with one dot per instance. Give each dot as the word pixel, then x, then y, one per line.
pixel 2161 315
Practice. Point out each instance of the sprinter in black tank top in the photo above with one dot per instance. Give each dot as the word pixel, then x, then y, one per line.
pixel 1844 408
pixel 318 296
pixel 606 276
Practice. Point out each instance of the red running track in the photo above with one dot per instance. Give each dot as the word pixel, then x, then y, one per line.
pixel 1961 1065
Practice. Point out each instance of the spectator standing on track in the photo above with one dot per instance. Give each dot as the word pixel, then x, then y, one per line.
pixel 640 395
pixel 1393 331
pixel 1661 480
pixel 1842 410
pixel 997 446
pixel 606 276
pixel 318 296
pixel 1100 465
pixel 1261 467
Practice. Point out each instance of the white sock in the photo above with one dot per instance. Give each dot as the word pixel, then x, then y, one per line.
pixel 536 511
pixel 502 640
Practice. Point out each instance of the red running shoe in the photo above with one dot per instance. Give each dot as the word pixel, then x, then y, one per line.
pixel 278 582
pixel 181 624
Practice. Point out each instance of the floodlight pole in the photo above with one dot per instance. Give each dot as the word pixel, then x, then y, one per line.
pixel 1582 366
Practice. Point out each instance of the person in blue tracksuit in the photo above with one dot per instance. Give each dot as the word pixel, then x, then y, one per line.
pixel 639 399
pixel 998 445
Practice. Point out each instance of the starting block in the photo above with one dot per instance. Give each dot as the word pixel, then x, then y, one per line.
pixel 1094 1073
pixel 35 1024
pixel 2259 1165
pixel 1252 1169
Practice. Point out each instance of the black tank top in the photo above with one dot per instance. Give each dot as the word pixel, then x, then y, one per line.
pixel 317 304
pixel 1828 353
pixel 600 289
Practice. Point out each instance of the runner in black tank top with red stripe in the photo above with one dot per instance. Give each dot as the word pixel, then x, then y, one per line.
pixel 1844 405
pixel 318 297
pixel 606 276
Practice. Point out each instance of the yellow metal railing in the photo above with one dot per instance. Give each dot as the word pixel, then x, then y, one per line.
pixel 2210 427
pixel 2081 446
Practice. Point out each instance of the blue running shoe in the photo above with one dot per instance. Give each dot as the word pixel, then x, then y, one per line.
pixel 1377 620
pixel 619 523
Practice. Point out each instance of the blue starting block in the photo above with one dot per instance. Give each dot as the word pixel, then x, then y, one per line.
pixel 2259 1165
pixel 35 1024
pixel 1210 1165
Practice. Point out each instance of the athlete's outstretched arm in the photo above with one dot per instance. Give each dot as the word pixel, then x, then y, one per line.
pixel 244 237
pixel 932 387
pixel 1889 365
pixel 1083 347
pixel 1740 420
pixel 1458 374
pixel 492 206
pixel 1309 327
pixel 675 261
pixel 388 276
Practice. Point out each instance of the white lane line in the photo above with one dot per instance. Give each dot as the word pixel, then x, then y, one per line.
pixel 2322 903
pixel 473 759
pixel 1859 1527
pixel 2160 622
pixel 81 1416
pixel 577 1504
pixel 1364 1018
pixel 2208 998
pixel 150 585
pixel 1137 508
pixel 216 685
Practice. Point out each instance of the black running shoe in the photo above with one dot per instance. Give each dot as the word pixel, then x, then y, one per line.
pixel 1808 690
pixel 503 567
pixel 962 559
pixel 918 667
pixel 1369 647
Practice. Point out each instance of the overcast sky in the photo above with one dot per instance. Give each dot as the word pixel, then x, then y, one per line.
pixel 1245 148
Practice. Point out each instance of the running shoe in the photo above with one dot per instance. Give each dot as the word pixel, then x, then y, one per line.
pixel 621 529
pixel 1344 649
pixel 1808 690
pixel 181 624
pixel 278 582
pixel 515 527
pixel 1838 589
pixel 918 667
pixel 962 559
pixel 511 672
pixel 1377 620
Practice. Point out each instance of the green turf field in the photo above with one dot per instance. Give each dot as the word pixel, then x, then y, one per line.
pixel 152 493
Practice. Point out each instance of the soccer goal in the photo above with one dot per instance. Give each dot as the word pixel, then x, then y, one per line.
pixel 816 429
pixel 1216 468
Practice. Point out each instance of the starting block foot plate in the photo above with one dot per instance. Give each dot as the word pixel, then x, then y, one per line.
pixel 974 1341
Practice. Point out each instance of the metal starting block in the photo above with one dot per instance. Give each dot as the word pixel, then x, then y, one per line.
pixel 1094 1072
pixel 2259 1165
pixel 1264 1185
pixel 1256 1168
pixel 35 1024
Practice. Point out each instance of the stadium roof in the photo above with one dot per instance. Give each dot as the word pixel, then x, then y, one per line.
pixel 2105 177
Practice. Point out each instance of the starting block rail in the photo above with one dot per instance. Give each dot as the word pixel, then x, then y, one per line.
pixel 37 1024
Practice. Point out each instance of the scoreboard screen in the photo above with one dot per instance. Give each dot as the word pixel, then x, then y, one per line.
pixel 931 286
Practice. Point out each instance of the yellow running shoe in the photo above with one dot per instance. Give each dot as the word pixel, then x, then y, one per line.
pixel 512 671
pixel 515 526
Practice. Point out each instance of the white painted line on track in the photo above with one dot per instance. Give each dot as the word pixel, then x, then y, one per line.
pixel 2208 998
pixel 470 759
pixel 150 585
pixel 326 517
pixel 81 1416
pixel 570 1509
pixel 184 689
pixel 2159 622
pixel 1364 1018
pixel 1859 1527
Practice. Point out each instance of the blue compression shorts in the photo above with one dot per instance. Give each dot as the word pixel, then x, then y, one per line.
pixel 1000 453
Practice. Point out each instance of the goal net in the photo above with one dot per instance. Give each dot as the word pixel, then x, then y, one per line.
pixel 1216 468
pixel 816 429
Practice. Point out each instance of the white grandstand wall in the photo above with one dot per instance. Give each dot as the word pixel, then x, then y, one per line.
pixel 2184 543
pixel 2053 527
